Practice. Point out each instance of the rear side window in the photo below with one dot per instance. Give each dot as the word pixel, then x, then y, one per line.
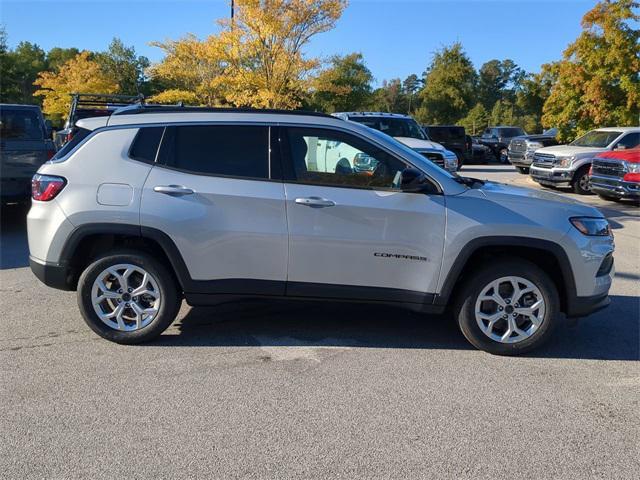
pixel 20 124
pixel 145 146
pixel 225 150
pixel 78 136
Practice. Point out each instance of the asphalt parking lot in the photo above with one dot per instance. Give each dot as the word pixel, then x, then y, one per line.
pixel 276 390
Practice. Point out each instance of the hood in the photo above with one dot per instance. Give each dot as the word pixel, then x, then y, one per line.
pixel 631 156
pixel 418 144
pixel 567 150
pixel 532 201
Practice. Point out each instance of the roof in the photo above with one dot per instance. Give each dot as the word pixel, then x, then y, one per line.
pixel 346 115
pixel 619 129
pixel 18 105
pixel 136 115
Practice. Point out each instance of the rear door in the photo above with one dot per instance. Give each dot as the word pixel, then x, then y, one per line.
pixel 215 194
pixel 353 233
pixel 23 148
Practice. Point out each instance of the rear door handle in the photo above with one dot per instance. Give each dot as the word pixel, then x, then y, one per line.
pixel 176 190
pixel 315 202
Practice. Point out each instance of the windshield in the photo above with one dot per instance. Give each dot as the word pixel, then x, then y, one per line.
pixel 596 138
pixel 394 127
pixel 511 132
pixel 20 124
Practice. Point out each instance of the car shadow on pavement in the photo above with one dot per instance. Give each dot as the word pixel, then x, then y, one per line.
pixel 14 248
pixel 612 334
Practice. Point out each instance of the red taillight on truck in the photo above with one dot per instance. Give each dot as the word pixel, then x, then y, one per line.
pixel 46 187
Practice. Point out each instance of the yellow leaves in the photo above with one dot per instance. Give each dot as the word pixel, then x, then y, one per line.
pixel 80 74
pixel 256 60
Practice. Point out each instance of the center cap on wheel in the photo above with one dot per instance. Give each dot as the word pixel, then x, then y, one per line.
pixel 126 297
pixel 508 309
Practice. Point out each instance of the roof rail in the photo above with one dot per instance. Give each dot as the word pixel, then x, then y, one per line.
pixel 146 108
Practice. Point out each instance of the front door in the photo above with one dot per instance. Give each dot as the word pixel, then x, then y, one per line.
pixel 352 232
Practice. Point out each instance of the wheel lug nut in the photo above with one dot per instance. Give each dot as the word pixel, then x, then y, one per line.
pixel 129 290
pixel 120 291
pixel 135 299
pixel 500 308
pixel 126 305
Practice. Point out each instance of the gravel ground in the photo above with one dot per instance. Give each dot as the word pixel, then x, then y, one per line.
pixel 277 390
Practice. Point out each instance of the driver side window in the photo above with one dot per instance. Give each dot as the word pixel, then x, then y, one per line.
pixel 326 157
pixel 632 140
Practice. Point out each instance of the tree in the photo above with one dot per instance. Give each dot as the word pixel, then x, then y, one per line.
pixel 257 59
pixel 498 80
pixel 530 98
pixel 411 85
pixel 476 120
pixel 344 86
pixel 390 97
pixel 80 74
pixel 122 64
pixel 56 57
pixel 598 79
pixel 9 91
pixel 449 86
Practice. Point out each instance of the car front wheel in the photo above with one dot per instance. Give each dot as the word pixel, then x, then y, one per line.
pixel 523 170
pixel 128 297
pixel 581 182
pixel 507 307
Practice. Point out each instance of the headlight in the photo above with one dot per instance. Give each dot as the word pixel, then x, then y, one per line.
pixel 632 167
pixel 592 226
pixel 564 161
pixel 534 145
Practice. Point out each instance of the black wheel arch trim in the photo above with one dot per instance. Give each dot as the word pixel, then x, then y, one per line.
pixel 476 244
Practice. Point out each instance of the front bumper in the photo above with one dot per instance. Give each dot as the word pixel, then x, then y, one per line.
pixel 615 187
pixel 520 159
pixel 583 306
pixel 551 176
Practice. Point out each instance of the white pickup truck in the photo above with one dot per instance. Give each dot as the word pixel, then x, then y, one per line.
pixel 569 165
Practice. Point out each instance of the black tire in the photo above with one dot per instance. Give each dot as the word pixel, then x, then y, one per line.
pixel 464 309
pixel 580 182
pixel 523 170
pixel 503 155
pixel 169 305
pixel 610 198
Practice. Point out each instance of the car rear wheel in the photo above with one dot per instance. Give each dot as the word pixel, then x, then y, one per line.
pixel 503 155
pixel 581 181
pixel 128 297
pixel 507 307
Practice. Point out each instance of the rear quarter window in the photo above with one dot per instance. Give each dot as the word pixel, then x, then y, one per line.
pixel 144 147
pixel 78 136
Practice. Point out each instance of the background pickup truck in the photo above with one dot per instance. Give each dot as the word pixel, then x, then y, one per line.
pixel 498 139
pixel 521 149
pixel 25 144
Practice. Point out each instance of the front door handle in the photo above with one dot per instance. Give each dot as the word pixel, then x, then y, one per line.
pixel 315 202
pixel 173 190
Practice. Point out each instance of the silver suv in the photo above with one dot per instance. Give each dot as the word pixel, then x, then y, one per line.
pixel 152 205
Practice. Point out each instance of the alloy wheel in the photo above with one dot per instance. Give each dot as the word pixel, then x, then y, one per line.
pixel 510 309
pixel 126 297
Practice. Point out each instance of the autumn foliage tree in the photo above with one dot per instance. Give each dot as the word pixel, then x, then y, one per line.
pixel 256 59
pixel 80 74
pixel 598 80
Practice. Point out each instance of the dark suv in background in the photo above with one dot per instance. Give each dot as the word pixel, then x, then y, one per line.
pixel 25 144
pixel 498 139
pixel 451 137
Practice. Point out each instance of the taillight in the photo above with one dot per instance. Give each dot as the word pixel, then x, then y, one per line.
pixel 631 177
pixel 46 187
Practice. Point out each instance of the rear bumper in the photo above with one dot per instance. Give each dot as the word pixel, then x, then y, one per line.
pixel 615 187
pixel 52 275
pixel 583 306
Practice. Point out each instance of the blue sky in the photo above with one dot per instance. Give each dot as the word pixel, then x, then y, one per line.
pixel 397 37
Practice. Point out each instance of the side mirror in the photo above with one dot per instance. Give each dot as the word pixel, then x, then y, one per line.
pixel 412 180
pixel 48 129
